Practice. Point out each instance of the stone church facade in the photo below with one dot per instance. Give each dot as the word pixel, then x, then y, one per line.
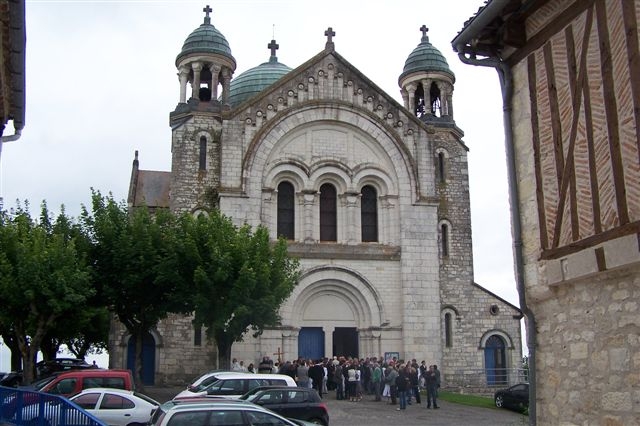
pixel 372 196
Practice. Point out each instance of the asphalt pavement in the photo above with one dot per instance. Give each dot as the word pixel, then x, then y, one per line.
pixel 371 413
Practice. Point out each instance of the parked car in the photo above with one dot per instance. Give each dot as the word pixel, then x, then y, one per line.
pixel 234 385
pixel 516 397
pixel 297 403
pixel 72 382
pixel 117 407
pixel 69 383
pixel 213 412
pixel 11 380
pixel 206 379
pixel 46 368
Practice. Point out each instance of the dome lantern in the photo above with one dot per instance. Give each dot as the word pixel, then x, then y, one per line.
pixel 426 82
pixel 206 62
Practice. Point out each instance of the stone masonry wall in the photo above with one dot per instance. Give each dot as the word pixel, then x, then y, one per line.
pixel 589 351
pixel 192 188
pixel 468 304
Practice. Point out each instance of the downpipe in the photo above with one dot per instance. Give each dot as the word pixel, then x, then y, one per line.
pixel 506 85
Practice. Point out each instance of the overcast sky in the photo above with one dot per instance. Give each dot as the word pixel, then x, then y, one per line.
pixel 101 81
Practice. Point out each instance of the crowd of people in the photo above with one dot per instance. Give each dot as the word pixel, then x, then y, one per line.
pixel 394 381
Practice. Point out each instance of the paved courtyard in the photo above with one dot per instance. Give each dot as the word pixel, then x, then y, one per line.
pixel 371 413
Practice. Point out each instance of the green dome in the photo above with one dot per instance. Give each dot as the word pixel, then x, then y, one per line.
pixel 205 39
pixel 426 58
pixel 254 80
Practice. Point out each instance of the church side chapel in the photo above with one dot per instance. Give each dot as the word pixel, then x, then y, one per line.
pixel 372 195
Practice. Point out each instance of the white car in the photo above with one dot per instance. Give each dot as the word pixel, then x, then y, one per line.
pixel 206 379
pixel 234 385
pixel 117 407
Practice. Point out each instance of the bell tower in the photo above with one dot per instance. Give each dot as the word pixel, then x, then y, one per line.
pixel 205 67
pixel 426 82
pixel 205 63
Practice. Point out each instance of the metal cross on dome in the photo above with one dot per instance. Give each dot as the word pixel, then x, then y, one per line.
pixel 207 10
pixel 273 46
pixel 424 30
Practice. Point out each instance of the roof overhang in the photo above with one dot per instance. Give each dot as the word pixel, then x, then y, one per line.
pixel 497 29
pixel 16 33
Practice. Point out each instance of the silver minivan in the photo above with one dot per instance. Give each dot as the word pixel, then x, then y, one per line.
pixel 234 385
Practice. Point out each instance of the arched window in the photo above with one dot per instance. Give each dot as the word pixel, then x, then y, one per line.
pixel 419 101
pixel 328 213
pixel 197 335
pixel 369 214
pixel 286 211
pixel 203 153
pixel 434 93
pixel 441 176
pixel 444 239
pixel 448 331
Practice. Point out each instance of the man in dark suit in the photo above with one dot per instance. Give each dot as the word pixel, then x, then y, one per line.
pixel 316 373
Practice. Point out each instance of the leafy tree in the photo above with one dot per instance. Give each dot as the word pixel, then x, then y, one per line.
pixel 136 258
pixel 241 280
pixel 94 336
pixel 44 277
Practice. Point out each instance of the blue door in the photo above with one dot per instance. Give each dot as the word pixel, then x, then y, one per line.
pixel 311 343
pixel 495 361
pixel 148 358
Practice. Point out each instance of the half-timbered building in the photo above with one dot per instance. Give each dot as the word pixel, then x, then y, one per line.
pixel 570 73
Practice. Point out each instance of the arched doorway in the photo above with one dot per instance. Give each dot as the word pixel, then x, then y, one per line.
pixel 495 361
pixel 148 358
pixel 339 303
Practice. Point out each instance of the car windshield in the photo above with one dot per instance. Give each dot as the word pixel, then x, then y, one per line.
pixel 250 398
pixel 39 384
pixel 204 384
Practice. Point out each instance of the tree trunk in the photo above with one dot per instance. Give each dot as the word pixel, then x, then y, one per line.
pixel 49 349
pixel 224 353
pixel 138 362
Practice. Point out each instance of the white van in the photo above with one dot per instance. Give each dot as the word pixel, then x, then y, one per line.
pixel 237 384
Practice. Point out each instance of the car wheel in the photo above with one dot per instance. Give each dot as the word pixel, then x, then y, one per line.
pixel 317 421
pixel 499 401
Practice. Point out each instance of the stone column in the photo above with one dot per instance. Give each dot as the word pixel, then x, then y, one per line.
pixel 309 202
pixel 226 83
pixel 290 343
pixel 328 341
pixel 183 76
pixel 269 210
pixel 351 230
pixel 426 88
pixel 215 71
pixel 195 86
pixel 411 89
pixel 405 97
pixel 450 101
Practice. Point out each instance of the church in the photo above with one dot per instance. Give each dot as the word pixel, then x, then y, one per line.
pixel 372 196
